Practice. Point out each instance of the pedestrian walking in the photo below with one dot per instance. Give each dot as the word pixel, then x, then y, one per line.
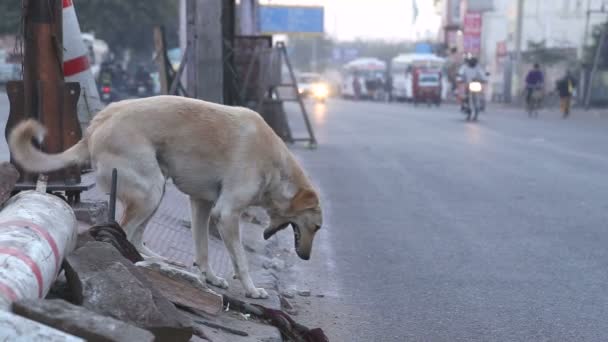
pixel 565 89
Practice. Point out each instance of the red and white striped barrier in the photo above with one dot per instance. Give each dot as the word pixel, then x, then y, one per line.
pixel 36 231
pixel 76 67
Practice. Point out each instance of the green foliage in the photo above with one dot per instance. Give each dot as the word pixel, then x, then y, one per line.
pixel 121 23
pixel 590 51
pixel 10 13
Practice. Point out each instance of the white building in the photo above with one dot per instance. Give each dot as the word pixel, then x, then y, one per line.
pixel 560 24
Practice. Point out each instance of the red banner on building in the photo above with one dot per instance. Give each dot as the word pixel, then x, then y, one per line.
pixel 472 25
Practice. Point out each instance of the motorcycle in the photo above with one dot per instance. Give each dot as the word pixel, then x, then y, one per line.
pixel 473 102
pixel 106 94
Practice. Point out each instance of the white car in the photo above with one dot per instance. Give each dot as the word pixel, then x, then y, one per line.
pixel 312 85
pixel 8 71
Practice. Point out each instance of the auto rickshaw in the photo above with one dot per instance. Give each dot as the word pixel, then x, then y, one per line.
pixel 426 86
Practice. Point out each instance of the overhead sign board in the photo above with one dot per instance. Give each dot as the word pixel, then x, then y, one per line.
pixel 472 32
pixel 291 19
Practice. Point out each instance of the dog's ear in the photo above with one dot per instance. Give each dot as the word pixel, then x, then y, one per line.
pixel 304 199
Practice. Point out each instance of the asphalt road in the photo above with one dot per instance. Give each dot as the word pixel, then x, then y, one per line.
pixel 442 230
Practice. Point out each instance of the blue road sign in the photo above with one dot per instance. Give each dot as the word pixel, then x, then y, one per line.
pixel 291 19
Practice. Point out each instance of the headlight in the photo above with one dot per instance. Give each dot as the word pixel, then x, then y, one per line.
pixel 320 90
pixel 475 87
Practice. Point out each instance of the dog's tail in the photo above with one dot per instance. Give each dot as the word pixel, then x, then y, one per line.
pixel 34 160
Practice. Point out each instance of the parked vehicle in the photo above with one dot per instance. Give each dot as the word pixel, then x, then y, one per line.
pixel 426 86
pixel 8 69
pixel 364 78
pixel 403 71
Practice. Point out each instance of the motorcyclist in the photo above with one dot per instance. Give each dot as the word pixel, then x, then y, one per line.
pixel 142 76
pixel 534 80
pixel 106 73
pixel 469 72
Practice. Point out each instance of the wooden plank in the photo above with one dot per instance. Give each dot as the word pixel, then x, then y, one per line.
pixel 8 177
pixel 183 293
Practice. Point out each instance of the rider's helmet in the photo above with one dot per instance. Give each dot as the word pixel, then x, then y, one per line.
pixel 471 60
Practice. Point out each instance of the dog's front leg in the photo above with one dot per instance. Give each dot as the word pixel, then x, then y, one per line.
pixel 228 225
pixel 200 233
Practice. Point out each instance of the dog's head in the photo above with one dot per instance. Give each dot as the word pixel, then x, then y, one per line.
pixel 305 217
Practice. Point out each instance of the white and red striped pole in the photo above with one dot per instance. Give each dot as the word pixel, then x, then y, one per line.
pixel 76 67
pixel 36 231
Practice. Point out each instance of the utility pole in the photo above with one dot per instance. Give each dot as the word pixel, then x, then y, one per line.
pixel 516 70
pixel 248 10
pixel 210 30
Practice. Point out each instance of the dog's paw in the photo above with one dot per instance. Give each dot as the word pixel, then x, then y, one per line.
pixel 257 293
pixel 217 281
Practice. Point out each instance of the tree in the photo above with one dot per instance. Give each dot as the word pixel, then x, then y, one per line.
pixel 590 51
pixel 123 24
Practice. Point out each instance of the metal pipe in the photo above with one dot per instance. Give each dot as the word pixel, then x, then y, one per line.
pixel 36 231
pixel 112 209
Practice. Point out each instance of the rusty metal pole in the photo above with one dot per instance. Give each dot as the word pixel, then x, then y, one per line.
pixel 43 70
pixel 43 94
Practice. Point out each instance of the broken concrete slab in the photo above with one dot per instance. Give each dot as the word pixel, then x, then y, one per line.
pixel 103 281
pixel 91 212
pixel 255 330
pixel 78 321
pixel 181 287
pixel 17 328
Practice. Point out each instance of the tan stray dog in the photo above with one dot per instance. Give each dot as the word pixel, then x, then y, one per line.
pixel 225 158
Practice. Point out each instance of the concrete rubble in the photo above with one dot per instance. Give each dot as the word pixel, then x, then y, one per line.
pixel 102 280
pixel 105 293
pixel 78 321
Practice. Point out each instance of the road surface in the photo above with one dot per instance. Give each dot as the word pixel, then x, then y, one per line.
pixel 442 230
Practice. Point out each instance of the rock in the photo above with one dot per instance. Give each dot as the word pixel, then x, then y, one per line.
pixel 8 178
pixel 78 321
pixel 93 212
pixel 289 293
pixel 103 281
pixel 286 305
pixel 17 328
pixel 275 264
pixel 304 293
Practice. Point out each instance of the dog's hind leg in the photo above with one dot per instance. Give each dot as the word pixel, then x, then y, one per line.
pixel 140 191
pixel 200 233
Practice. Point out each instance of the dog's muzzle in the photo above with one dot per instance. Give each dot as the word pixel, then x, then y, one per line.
pixel 297 237
pixel 270 231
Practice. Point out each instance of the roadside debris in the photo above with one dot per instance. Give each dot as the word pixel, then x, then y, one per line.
pixel 8 178
pixel 16 328
pixel 288 327
pixel 304 293
pixel 78 321
pixel 182 288
pixel 105 282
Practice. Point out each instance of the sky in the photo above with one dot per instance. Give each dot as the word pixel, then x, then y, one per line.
pixel 372 19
